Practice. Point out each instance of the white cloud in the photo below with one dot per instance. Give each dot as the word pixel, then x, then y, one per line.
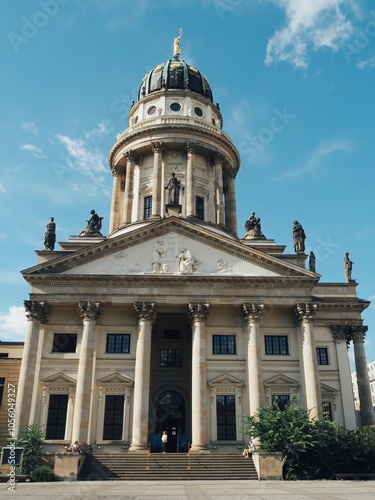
pixel 316 159
pixel 30 127
pixel 309 23
pixel 370 63
pixel 2 188
pixel 13 324
pixel 37 152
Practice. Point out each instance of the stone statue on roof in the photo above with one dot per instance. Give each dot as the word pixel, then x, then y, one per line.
pixel 176 46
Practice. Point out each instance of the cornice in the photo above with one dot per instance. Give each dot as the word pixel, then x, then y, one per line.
pixel 109 246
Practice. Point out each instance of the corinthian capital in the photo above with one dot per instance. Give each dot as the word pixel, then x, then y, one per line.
pixel 358 333
pixel 90 310
pixel 341 333
pixel 305 313
pixel 157 147
pixel 252 312
pixel 36 311
pixel 145 310
pixel 198 311
pixel 131 155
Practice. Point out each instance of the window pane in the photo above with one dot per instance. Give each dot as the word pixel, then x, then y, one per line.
pixel 171 358
pixel 148 207
pixel 224 344
pixel 2 383
pixel 56 420
pixel 226 417
pixel 282 400
pixel 322 355
pixel 64 342
pixel 199 207
pixel 327 411
pixel 118 343
pixel 276 344
pixel 113 417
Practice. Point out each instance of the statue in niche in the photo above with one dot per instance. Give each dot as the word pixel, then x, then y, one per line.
pixel 312 262
pixel 50 235
pixel 348 266
pixel 187 263
pixel 156 256
pixel 253 227
pixel 94 225
pixel 173 187
pixel 298 237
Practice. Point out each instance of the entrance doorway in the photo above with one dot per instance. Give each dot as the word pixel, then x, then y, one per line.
pixel 170 417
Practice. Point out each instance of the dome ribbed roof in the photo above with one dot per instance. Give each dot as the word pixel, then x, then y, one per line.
pixel 175 74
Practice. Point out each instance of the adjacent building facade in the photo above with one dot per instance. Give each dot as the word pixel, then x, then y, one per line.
pixel 173 321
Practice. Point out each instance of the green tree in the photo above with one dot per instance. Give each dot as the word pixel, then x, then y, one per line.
pixel 289 431
pixel 30 440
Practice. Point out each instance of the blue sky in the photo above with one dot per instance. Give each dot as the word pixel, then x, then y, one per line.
pixel 295 83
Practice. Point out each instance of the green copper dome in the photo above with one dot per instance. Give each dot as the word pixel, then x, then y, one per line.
pixel 175 74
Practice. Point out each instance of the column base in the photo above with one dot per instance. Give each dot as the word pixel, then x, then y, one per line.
pixel 200 449
pixel 134 448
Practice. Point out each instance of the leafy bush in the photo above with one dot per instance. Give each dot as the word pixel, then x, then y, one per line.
pixel 311 449
pixel 30 440
pixel 42 473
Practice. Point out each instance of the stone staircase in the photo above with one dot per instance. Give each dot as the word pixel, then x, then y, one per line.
pixel 169 466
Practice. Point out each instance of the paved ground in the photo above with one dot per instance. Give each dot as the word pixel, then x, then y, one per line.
pixel 195 490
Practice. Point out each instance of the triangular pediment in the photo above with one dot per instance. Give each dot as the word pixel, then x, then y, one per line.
pixel 58 379
pixel 115 379
pixel 226 380
pixel 281 380
pixel 326 389
pixel 171 247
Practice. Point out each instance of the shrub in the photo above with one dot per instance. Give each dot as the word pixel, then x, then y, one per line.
pixel 42 473
pixel 30 440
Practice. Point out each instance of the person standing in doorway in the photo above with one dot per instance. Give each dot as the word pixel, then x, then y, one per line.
pixel 164 440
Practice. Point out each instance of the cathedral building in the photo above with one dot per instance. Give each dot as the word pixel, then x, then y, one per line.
pixel 173 322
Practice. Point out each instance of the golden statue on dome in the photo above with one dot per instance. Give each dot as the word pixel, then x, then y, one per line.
pixel 176 46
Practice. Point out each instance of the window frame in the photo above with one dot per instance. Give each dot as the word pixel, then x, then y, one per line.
pixel 223 346
pixel 199 207
pixel 70 336
pixel 276 346
pixel 147 207
pixel 320 356
pixel 174 358
pixel 226 419
pixel 57 426
pixel 125 339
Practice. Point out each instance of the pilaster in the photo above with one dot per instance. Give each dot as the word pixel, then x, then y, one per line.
pixel 190 173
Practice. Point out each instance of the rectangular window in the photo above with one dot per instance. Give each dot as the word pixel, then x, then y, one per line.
pixel 148 207
pixel 276 344
pixel 171 358
pixel 199 207
pixel 2 385
pixel 282 400
pixel 64 342
pixel 118 342
pixel 327 411
pixel 226 417
pixel 113 417
pixel 322 355
pixel 224 344
pixel 56 420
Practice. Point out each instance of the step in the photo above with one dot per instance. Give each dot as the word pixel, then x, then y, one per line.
pixel 100 466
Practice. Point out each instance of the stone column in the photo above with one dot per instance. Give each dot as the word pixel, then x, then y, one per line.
pixel 36 313
pixel 358 334
pixel 218 159
pixel 198 313
pixel 146 314
pixel 116 206
pixel 157 148
pixel 252 314
pixel 305 314
pixel 190 184
pixel 230 204
pixel 341 336
pixel 128 194
pixel 90 313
